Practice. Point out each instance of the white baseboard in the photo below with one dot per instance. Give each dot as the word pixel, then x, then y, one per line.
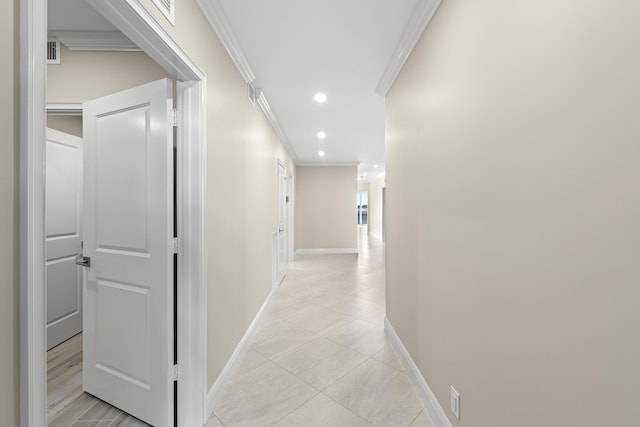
pixel 426 395
pixel 327 251
pixel 215 393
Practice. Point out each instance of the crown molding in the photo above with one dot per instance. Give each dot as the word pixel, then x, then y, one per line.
pixel 420 19
pixel 333 164
pixel 64 108
pixel 268 112
pixel 214 13
pixel 144 29
pixel 102 41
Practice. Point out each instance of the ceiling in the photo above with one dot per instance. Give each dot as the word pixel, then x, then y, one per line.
pixel 296 49
pixel 75 15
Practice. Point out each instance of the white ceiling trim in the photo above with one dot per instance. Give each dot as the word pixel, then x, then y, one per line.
pixel 103 41
pixel 341 164
pixel 212 9
pixel 64 108
pixel 214 13
pixel 266 109
pixel 420 19
pixel 143 28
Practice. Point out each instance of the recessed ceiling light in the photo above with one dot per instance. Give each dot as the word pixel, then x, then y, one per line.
pixel 322 135
pixel 321 153
pixel 375 166
pixel 320 97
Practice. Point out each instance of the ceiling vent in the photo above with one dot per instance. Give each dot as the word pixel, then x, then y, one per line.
pixel 53 51
pixel 253 93
pixel 168 9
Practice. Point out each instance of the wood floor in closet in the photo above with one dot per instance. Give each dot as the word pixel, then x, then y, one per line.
pixel 67 404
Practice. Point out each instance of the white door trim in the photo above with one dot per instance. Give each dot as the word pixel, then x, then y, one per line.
pixel 291 250
pixel 132 18
pixel 280 163
pixel 33 34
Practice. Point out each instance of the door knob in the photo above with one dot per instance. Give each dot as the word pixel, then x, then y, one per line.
pixel 84 261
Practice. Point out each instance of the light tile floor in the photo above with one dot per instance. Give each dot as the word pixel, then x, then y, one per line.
pixel 319 356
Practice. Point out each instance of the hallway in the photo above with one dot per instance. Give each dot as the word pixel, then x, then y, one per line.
pixel 319 355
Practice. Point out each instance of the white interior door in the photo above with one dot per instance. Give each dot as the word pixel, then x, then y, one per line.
pixel 128 236
pixel 282 209
pixel 63 236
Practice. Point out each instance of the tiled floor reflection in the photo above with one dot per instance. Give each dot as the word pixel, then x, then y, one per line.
pixel 320 356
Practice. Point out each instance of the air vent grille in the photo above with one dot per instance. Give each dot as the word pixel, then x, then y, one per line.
pixel 53 52
pixel 251 93
pixel 168 9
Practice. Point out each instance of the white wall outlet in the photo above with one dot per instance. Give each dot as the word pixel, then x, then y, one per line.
pixel 455 403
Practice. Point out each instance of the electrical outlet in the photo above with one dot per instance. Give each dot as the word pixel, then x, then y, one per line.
pixel 455 403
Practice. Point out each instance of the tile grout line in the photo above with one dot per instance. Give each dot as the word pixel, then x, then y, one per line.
pixel 80 415
pixel 416 417
pixel 344 273
pixel 357 415
pixel 297 407
pixel 337 379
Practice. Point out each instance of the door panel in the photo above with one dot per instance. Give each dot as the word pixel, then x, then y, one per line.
pixel 282 235
pixel 123 331
pixel 122 183
pixel 128 338
pixel 63 236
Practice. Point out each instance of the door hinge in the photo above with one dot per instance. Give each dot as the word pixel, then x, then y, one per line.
pixel 174 118
pixel 175 373
pixel 176 245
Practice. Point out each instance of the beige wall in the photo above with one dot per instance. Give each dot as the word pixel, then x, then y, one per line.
pixel 241 195
pixel 68 124
pixel 82 76
pixel 9 81
pixel 375 207
pixel 326 211
pixel 512 200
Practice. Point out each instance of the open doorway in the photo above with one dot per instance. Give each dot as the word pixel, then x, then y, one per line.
pixel 363 208
pixel 128 211
pixel 145 31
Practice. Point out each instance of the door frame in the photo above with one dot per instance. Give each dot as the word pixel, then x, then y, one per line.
pixel 134 20
pixel 291 252
pixel 279 164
